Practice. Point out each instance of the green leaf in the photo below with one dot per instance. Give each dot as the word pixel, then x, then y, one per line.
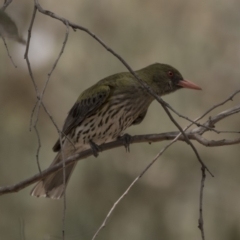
pixel 8 28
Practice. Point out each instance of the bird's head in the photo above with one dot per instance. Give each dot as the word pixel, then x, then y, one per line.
pixel 165 79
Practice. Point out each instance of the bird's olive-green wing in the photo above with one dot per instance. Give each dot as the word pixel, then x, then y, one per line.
pixel 88 102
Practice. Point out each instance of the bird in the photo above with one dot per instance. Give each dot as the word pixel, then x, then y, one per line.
pixel 102 113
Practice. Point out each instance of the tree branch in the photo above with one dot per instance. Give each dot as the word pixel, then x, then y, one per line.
pixel 5 4
pixel 203 169
pixel 194 134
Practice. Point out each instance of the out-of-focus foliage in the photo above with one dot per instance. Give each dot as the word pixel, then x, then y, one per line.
pixel 201 39
pixel 8 28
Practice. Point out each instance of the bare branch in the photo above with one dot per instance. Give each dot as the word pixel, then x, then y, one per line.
pixel 34 84
pixel 64 188
pixel 219 117
pixel 5 43
pixel 27 50
pixel 132 184
pixel 40 97
pixel 149 138
pixel 5 5
pixel 200 220
pixel 199 138
pixel 230 98
pixel 60 138
pixel 39 100
pixel 214 143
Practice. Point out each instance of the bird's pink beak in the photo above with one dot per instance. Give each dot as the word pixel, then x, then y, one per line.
pixel 188 84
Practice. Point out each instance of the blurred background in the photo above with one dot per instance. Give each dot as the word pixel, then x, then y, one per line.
pixel 202 40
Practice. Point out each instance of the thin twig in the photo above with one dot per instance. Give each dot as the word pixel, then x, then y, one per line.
pixel 54 123
pixel 40 97
pixel 64 188
pixel 5 43
pixel 60 139
pixel 216 106
pixel 217 118
pixel 27 50
pixel 50 73
pixel 139 176
pixel 38 148
pixel 32 116
pixel 208 111
pixel 5 5
pixel 132 184
pixel 200 220
pixel 22 228
pixel 34 84
pixel 203 177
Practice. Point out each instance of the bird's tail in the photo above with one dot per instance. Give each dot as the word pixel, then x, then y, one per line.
pixel 52 186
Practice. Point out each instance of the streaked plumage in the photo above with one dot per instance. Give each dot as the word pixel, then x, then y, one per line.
pixel 104 111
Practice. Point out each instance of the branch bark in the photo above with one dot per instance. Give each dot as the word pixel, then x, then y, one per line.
pixel 194 134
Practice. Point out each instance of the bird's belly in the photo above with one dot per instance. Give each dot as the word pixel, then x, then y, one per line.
pixel 102 129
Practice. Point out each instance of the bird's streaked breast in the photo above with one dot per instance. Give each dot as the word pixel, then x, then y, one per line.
pixel 110 120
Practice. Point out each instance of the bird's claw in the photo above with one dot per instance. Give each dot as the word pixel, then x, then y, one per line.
pixel 95 148
pixel 126 139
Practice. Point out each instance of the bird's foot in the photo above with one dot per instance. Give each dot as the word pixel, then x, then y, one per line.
pixel 126 139
pixel 95 148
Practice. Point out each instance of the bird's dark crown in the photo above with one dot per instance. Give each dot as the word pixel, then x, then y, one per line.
pixel 164 77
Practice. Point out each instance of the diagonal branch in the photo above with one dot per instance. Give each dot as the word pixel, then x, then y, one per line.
pixel 9 55
pixel 200 220
pixel 194 134
pixel 132 184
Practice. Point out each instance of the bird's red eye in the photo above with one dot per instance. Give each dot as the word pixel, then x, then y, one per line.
pixel 170 73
